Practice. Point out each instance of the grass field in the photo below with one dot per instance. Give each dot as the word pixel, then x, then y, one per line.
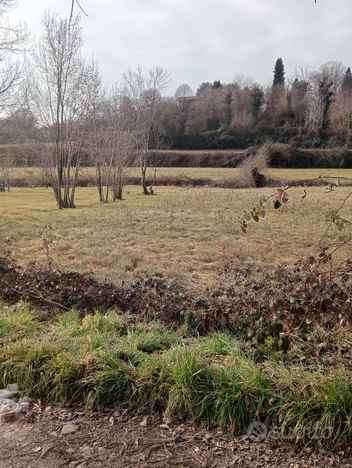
pixel 188 234
pixel 222 173
pixel 212 173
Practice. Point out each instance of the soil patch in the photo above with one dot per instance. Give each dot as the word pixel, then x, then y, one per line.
pixel 143 441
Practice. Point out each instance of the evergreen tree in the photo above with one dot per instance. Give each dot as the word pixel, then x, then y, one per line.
pixel 227 106
pixel 217 84
pixel 347 81
pixel 299 98
pixel 257 97
pixel 203 88
pixel 326 96
pixel 300 87
pixel 279 72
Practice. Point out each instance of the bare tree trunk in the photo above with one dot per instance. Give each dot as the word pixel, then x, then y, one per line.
pixel 119 184
pixel 144 171
pixel 99 182
pixel 108 177
pixel 73 190
pixel 97 156
pixel 67 184
pixel 59 173
pixel 7 163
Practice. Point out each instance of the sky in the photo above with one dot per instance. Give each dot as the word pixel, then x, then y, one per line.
pixel 203 40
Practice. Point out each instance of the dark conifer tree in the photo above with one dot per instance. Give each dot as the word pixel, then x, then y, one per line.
pixel 347 81
pixel 257 97
pixel 217 84
pixel 279 72
pixel 325 96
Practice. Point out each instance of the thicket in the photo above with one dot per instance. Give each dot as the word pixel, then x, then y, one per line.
pixel 280 155
pixel 289 156
pixel 230 140
pixel 279 306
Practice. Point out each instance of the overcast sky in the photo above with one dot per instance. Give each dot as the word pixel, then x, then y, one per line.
pixel 203 40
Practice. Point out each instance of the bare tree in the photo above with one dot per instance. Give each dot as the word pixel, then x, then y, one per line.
pixel 341 117
pixel 340 111
pixel 14 43
pixel 244 92
pixel 184 96
pixel 61 94
pixel 184 91
pixel 332 72
pixel 7 167
pixel 94 144
pixel 112 151
pixel 142 95
pixel 326 89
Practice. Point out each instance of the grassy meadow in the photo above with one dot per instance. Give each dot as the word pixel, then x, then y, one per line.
pixel 208 172
pixel 224 173
pixel 188 235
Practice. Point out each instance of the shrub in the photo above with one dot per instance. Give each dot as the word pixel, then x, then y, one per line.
pixel 251 170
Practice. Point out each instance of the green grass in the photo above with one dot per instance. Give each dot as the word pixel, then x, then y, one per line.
pixel 111 360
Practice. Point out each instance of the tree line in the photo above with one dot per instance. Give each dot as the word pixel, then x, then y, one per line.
pixel 311 109
pixel 55 102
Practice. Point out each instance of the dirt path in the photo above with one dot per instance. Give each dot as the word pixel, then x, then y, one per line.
pixel 142 442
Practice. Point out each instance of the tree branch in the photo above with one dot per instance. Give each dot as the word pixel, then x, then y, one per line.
pixel 72 7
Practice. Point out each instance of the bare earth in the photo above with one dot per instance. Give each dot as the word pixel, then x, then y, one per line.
pixel 143 441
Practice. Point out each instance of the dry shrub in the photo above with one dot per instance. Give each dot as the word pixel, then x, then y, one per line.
pixel 252 168
pixel 279 154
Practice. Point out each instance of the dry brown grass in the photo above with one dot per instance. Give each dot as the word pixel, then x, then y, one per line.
pixel 215 174
pixel 188 234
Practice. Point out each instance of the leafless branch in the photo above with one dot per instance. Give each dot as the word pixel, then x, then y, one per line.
pixel 72 8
